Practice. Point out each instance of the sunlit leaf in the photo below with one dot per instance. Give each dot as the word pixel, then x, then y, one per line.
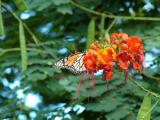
pixel 23 47
pixel 1 22
pixel 21 4
pixel 144 111
pixel 91 33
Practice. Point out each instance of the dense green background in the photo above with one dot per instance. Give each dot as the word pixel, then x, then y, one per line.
pixel 61 29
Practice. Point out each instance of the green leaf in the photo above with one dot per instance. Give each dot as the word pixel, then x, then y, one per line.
pixel 68 84
pixel 35 39
pixel 23 47
pixel 102 24
pixel 107 35
pixel 144 111
pixel 32 61
pixel 56 88
pixel 107 104
pixel 21 4
pixel 36 76
pixel 40 5
pixel 59 2
pixel 1 22
pixel 149 36
pixel 91 33
pixel 65 9
pixel 119 113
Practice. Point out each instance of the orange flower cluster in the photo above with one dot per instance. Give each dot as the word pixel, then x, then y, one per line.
pixel 120 49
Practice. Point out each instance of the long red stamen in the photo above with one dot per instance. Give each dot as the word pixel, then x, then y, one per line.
pixel 80 83
pixel 88 96
pixel 93 81
pixel 126 76
pixel 107 85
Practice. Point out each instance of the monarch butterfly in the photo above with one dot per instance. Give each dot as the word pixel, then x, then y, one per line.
pixel 73 63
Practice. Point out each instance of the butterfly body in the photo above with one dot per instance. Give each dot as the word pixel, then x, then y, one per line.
pixel 73 63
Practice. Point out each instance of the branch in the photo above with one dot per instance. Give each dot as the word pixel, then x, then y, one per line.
pixel 144 89
pixel 151 77
pixel 110 26
pixel 19 20
pixel 114 16
pixel 2 52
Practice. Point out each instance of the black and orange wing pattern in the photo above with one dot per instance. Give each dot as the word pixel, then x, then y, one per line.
pixel 73 63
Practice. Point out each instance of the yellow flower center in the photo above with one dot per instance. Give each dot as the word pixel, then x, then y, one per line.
pixel 106 55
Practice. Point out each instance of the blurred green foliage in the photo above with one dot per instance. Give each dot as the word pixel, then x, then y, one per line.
pixel 61 29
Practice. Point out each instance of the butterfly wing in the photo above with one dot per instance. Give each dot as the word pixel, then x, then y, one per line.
pixel 73 63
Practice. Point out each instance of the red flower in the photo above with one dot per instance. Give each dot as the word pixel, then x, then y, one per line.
pixel 107 71
pixel 95 46
pixel 105 56
pixel 125 51
pixel 134 44
pixel 90 61
pixel 124 59
pixel 114 46
pixel 124 65
pixel 139 57
pixel 118 38
pixel 138 60
pixel 124 46
pixel 137 66
pixel 107 75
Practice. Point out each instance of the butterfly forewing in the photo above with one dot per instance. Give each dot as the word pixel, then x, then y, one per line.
pixel 73 63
